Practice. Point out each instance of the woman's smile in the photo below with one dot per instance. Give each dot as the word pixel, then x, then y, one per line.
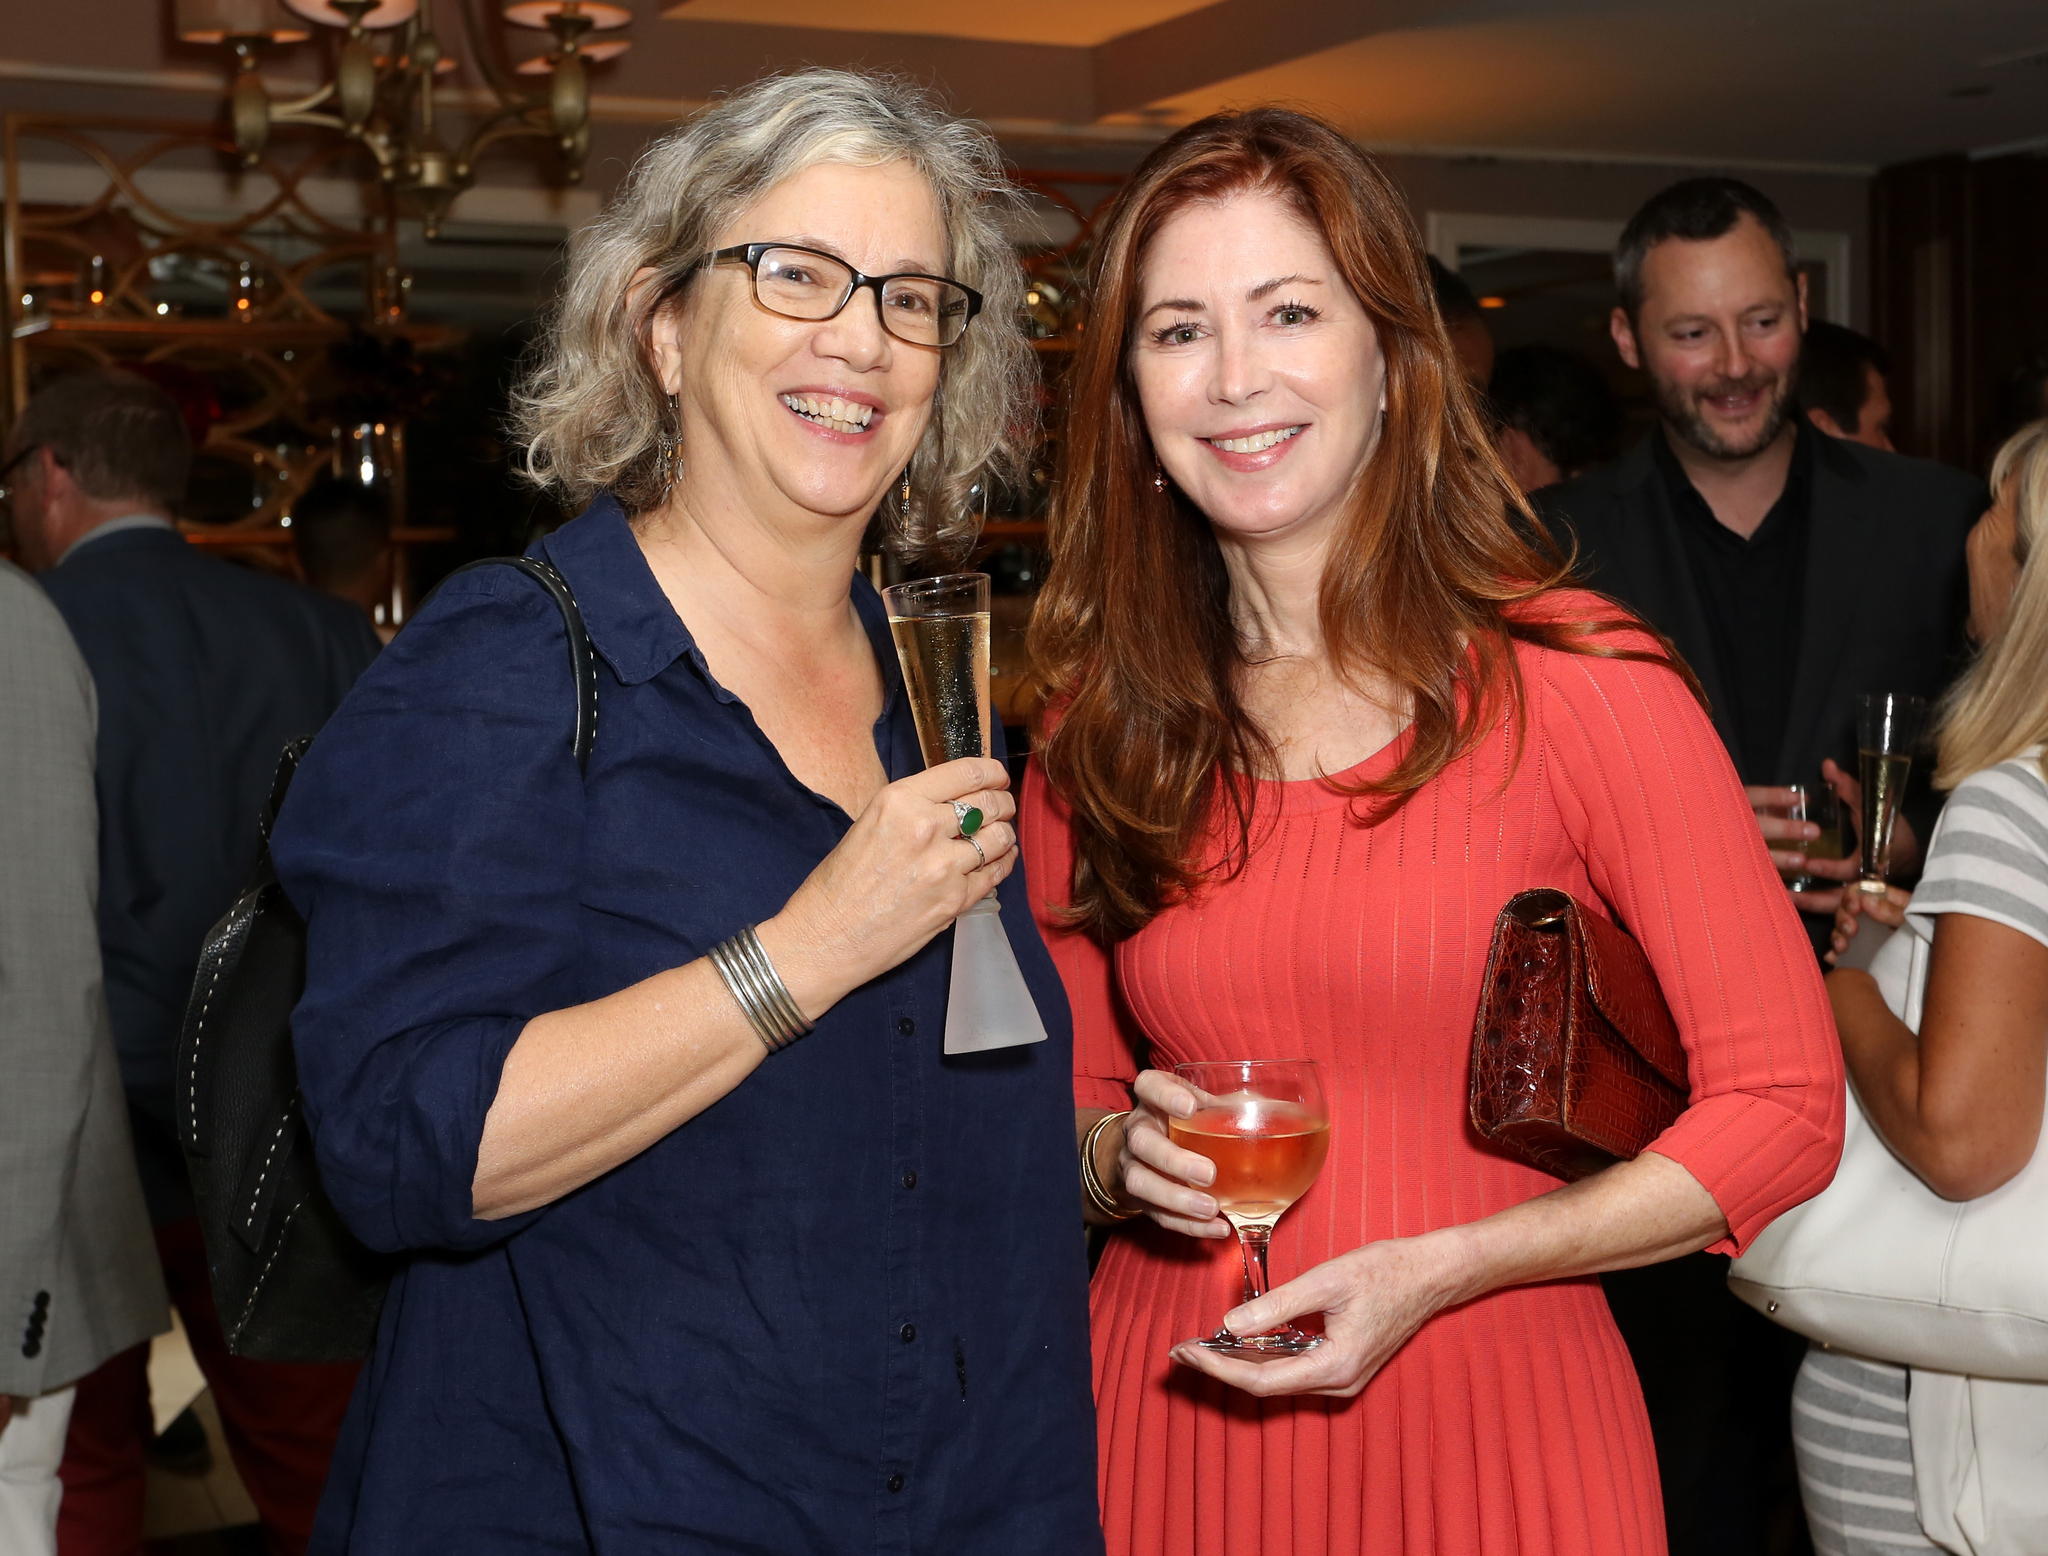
pixel 838 414
pixel 1254 449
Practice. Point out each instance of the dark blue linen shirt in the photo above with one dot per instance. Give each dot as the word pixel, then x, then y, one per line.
pixel 844 1309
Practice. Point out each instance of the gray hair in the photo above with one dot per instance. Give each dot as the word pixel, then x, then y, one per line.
pixel 591 411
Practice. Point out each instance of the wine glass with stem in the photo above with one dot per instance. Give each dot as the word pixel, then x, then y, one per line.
pixel 1265 1126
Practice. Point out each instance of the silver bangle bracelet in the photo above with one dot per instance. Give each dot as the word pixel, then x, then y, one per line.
pixel 759 991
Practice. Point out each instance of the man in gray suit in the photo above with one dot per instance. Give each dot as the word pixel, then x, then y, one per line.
pixel 79 1281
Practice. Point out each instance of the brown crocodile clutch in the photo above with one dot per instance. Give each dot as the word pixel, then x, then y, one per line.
pixel 1576 1061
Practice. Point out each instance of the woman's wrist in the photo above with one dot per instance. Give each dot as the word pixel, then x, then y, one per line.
pixel 806 966
pixel 1456 1264
pixel 1101 1174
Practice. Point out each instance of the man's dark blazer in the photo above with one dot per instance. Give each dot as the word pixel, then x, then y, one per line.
pixel 204 670
pixel 1886 592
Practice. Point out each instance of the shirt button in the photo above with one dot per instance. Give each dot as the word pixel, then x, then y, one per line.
pixel 896 1481
pixel 907 1333
pixel 910 1180
pixel 905 1025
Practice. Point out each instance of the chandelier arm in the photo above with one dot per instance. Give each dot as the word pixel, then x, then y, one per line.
pixel 319 121
pixel 507 124
pixel 294 110
pixel 486 48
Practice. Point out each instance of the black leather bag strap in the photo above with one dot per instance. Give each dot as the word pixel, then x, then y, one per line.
pixel 582 656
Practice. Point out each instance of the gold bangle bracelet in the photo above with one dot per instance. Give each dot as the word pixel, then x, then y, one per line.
pixel 1091 1182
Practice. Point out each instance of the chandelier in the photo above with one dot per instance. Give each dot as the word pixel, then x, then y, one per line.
pixel 380 92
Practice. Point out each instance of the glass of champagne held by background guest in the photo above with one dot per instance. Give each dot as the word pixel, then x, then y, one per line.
pixel 1315 710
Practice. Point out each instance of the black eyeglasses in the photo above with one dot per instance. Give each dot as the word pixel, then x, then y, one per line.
pixel 801 283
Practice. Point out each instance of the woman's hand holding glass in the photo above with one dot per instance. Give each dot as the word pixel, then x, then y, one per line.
pixel 1888 910
pixel 902 873
pixel 1371 1299
pixel 1152 1172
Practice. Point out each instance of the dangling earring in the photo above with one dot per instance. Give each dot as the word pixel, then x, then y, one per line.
pixel 670 450
pixel 1158 476
pixel 903 493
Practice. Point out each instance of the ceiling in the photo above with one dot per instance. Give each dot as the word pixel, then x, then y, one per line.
pixel 1075 23
pixel 1820 85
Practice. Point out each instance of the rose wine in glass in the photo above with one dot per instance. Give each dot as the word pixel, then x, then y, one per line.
pixel 1265 1125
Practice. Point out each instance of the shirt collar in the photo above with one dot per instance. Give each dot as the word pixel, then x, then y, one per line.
pixel 128 521
pixel 631 623
pixel 1792 502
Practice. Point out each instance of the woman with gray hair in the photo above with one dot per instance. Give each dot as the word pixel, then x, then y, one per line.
pixel 705 1245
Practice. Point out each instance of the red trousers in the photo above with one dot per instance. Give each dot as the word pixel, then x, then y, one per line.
pixel 281 1419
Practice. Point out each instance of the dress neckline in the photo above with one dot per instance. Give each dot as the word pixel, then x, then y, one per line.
pixel 1300 796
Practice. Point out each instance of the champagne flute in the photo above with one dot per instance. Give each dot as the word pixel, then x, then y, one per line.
pixel 1889 729
pixel 941 628
pixel 1265 1126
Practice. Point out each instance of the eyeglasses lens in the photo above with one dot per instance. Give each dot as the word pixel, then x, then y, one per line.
pixel 798 285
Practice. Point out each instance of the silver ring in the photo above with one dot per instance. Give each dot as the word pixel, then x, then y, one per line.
pixel 971 843
pixel 968 816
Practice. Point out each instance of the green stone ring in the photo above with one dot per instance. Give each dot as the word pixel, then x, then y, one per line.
pixel 970 818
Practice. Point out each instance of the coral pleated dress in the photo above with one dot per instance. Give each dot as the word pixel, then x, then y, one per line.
pixel 1512 1424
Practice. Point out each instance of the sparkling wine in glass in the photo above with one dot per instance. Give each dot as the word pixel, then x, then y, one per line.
pixel 1889 729
pixel 1265 1125
pixel 941 630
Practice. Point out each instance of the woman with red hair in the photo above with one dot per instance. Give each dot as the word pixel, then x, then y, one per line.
pixel 1317 706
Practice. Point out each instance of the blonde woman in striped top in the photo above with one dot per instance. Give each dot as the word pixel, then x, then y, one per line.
pixel 1961 1102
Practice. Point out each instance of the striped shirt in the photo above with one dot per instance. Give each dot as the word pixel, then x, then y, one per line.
pixel 1989 853
pixel 1855 1460
pixel 1988 858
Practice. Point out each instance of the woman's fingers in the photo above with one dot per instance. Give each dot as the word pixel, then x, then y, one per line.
pixel 1165 1093
pixel 1313 1291
pixel 1157 1192
pixel 996 841
pixel 903 872
pixel 958 780
pixel 1304 1374
pixel 1150 1145
pixel 1160 1175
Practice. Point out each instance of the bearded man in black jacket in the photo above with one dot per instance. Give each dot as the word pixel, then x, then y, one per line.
pixel 1793 571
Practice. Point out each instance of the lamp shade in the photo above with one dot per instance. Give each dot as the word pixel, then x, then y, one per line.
pixel 216 21
pixel 385 13
pixel 601 14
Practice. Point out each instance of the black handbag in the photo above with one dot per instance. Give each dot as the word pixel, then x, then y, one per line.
pixel 290 1280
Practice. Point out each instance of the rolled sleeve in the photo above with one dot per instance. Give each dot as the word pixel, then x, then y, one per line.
pixel 1670 842
pixel 433 840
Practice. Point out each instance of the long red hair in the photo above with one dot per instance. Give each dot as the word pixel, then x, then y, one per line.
pixel 1430 583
